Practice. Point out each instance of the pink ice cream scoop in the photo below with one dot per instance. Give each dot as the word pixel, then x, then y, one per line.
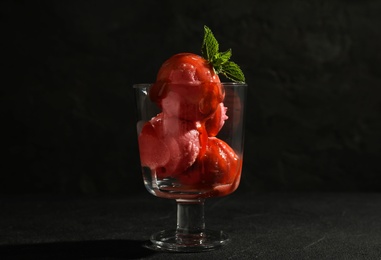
pixel 168 145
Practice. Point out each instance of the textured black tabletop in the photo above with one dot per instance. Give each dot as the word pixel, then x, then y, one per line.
pixel 261 226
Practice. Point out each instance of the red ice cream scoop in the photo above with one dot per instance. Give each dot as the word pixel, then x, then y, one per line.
pixel 187 87
pixel 219 165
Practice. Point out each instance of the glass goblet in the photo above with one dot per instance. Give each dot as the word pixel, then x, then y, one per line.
pixel 190 161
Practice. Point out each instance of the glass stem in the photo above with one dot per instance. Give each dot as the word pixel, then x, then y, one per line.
pixel 190 218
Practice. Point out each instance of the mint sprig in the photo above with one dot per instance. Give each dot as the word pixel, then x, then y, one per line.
pixel 220 60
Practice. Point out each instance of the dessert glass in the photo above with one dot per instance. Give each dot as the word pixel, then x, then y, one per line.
pixel 190 234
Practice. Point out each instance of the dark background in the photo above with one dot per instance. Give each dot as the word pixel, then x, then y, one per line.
pixel 67 105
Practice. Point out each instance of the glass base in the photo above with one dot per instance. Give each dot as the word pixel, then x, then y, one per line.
pixel 171 240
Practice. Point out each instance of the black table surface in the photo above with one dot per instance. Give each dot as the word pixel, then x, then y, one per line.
pixel 260 225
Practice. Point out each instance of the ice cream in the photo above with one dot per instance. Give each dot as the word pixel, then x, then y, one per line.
pixel 168 145
pixel 181 143
pixel 218 166
pixel 187 87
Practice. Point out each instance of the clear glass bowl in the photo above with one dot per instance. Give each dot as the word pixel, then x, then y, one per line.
pixel 189 159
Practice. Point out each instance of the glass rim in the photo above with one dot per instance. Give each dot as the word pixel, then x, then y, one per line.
pixel 225 84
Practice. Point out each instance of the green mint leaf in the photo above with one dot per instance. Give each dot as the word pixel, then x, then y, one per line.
pixel 221 58
pixel 232 71
pixel 217 61
pixel 209 45
pixel 225 56
pixel 217 69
